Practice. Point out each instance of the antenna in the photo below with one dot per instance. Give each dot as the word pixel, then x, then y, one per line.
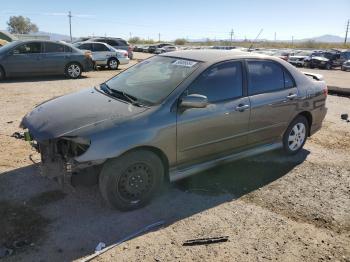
pixel 255 40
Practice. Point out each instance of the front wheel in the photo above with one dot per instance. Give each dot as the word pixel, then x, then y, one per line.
pixel 73 70
pixel 113 64
pixel 295 136
pixel 129 181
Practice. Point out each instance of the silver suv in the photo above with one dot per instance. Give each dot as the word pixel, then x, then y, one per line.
pixel 174 115
pixel 104 54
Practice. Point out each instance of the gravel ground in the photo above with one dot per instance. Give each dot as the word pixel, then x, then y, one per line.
pixel 270 206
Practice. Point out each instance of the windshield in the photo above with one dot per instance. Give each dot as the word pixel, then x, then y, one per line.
pixel 152 80
pixel 303 53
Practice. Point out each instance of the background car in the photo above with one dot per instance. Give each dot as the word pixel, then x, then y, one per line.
pixel 298 59
pixel 153 48
pixel 104 54
pixel 165 49
pixel 345 66
pixel 23 58
pixel 117 43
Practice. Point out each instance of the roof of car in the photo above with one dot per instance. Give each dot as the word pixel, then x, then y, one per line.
pixel 209 55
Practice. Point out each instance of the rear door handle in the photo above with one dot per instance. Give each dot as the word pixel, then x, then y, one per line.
pixel 242 107
pixel 291 96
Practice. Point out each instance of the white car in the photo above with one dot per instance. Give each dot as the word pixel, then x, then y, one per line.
pixel 104 54
pixel 165 49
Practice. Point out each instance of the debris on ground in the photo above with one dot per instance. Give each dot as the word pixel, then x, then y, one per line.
pixel 344 116
pixel 137 233
pixel 205 241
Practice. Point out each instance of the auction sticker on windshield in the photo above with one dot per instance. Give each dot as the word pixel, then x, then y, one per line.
pixel 185 63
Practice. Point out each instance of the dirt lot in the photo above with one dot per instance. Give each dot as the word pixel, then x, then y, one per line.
pixel 271 207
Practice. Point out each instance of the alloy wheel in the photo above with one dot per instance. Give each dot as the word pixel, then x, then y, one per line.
pixel 297 136
pixel 74 70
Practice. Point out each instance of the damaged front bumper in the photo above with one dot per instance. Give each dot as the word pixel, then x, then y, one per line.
pixel 58 158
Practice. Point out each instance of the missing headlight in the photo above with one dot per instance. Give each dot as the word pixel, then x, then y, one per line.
pixel 70 147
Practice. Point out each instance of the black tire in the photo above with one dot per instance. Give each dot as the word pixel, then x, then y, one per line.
pixel 328 66
pixel 299 140
pixel 113 63
pixel 130 181
pixel 73 70
pixel 2 74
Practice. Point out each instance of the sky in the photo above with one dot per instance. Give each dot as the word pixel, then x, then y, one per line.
pixel 185 18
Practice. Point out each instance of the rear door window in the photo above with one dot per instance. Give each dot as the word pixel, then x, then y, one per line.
pixel 100 48
pixel 121 43
pixel 54 48
pixel 264 76
pixel 219 82
pixel 28 48
pixel 86 46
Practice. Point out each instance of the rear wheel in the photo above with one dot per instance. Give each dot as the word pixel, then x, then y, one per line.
pixel 130 181
pixel 295 136
pixel 328 66
pixel 113 64
pixel 73 70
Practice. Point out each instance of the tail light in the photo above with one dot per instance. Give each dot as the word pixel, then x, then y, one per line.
pixel 126 54
pixel 325 91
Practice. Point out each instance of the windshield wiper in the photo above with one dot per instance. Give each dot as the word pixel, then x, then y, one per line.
pixel 120 94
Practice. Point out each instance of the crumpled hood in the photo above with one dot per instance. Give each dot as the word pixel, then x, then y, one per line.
pixel 77 112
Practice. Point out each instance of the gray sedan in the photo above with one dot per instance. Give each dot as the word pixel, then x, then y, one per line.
pixel 28 58
pixel 175 115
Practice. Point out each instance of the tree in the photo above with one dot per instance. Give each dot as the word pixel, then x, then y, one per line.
pixel 180 41
pixel 134 40
pixel 21 25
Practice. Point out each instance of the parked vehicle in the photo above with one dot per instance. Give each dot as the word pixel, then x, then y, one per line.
pixel 282 54
pixel 174 115
pixel 117 43
pixel 345 66
pixel 33 57
pixel 328 59
pixel 104 54
pixel 299 58
pixel 153 48
pixel 145 48
pixel 165 49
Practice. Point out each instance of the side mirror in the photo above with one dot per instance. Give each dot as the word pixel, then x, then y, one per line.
pixel 194 101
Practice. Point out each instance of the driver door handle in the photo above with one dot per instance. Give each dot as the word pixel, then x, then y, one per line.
pixel 242 107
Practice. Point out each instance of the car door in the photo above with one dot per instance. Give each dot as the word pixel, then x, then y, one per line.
pixel 101 52
pixel 54 58
pixel 273 98
pixel 25 59
pixel 222 125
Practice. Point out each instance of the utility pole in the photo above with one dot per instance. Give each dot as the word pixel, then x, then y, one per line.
pixel 275 37
pixel 292 40
pixel 158 37
pixel 70 26
pixel 231 35
pixel 346 33
pixel 130 35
